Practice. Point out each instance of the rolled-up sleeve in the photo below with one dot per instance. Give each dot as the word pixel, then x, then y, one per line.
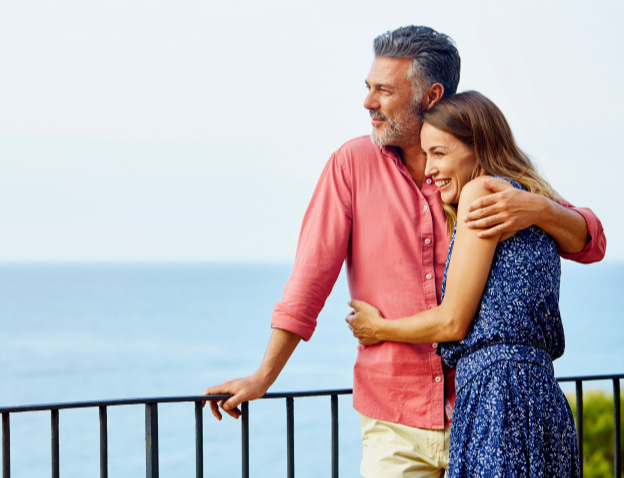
pixel 596 246
pixel 321 251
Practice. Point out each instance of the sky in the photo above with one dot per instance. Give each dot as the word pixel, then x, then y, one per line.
pixel 195 130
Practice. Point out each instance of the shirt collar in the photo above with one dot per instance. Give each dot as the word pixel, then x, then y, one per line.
pixel 392 152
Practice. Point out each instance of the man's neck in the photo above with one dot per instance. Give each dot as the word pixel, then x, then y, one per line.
pixel 415 161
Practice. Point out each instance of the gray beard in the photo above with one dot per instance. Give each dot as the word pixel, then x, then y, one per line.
pixel 400 130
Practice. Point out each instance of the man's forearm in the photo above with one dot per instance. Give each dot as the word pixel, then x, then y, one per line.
pixel 281 346
pixel 566 226
pixel 509 210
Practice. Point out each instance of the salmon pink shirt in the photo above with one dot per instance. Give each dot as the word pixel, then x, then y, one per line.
pixel 367 210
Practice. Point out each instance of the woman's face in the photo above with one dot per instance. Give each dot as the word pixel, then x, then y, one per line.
pixel 450 162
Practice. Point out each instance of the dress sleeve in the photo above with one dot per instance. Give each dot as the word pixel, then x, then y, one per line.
pixel 321 251
pixel 596 247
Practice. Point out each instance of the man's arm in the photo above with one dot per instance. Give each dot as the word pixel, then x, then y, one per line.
pixel 577 232
pixel 322 249
pixel 281 346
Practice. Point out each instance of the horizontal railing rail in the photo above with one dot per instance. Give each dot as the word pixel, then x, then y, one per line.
pixel 151 427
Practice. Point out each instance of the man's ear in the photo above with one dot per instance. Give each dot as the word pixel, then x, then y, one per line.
pixel 432 95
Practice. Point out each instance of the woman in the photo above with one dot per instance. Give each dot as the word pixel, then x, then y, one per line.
pixel 499 318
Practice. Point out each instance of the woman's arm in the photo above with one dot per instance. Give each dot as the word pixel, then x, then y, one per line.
pixel 467 275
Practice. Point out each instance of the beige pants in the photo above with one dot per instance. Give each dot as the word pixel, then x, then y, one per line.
pixel 391 450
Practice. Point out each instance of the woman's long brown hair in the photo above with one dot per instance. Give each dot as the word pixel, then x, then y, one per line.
pixel 478 122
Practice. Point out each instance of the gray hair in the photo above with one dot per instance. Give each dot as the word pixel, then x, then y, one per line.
pixel 436 59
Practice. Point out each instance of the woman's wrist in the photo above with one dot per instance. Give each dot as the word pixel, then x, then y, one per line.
pixel 384 330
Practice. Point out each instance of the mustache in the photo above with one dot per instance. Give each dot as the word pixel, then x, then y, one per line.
pixel 377 115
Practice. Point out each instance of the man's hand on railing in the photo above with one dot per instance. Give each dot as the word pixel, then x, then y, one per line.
pixel 281 345
pixel 242 390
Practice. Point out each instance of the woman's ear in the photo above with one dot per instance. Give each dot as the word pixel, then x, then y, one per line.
pixel 432 95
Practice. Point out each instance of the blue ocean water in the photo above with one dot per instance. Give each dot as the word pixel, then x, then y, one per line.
pixel 98 331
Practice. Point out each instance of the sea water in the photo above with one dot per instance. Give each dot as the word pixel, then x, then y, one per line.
pixel 78 332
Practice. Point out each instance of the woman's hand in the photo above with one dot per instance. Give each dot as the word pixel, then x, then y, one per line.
pixel 364 321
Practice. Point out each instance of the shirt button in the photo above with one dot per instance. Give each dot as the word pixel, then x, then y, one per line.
pixel 427 241
pixel 428 276
pixel 434 345
pixel 428 180
pixel 425 208
pixel 438 379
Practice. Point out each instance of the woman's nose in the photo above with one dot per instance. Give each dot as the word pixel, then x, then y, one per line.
pixel 430 169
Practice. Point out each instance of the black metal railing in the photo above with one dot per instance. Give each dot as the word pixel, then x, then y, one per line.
pixel 151 427
pixel 617 451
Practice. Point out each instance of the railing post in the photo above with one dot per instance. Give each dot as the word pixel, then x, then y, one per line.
pixel 290 436
pixel 151 439
pixel 6 446
pixel 199 440
pixel 103 442
pixel 55 443
pixel 617 460
pixel 334 422
pixel 245 438
pixel 579 421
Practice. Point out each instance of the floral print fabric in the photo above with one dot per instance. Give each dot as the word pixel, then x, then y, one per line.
pixel 511 418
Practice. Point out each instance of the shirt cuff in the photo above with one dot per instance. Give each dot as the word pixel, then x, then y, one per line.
pixel 297 323
pixel 596 246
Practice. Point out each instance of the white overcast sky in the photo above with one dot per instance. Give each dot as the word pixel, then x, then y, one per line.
pixel 196 130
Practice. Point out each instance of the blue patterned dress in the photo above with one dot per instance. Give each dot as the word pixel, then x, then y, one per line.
pixel 511 419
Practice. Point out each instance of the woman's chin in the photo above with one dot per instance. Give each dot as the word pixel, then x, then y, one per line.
pixel 449 199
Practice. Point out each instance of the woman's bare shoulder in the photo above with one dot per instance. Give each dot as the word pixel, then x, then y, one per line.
pixel 472 190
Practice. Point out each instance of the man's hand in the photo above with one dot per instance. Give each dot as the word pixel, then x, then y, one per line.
pixel 242 390
pixel 506 211
pixel 281 345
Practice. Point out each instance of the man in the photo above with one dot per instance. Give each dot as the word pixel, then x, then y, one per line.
pixel 374 208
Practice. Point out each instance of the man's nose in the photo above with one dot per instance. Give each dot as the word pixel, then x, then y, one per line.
pixel 370 102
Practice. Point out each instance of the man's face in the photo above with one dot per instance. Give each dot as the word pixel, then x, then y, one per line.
pixel 394 111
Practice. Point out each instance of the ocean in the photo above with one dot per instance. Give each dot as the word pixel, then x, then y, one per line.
pixel 77 332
